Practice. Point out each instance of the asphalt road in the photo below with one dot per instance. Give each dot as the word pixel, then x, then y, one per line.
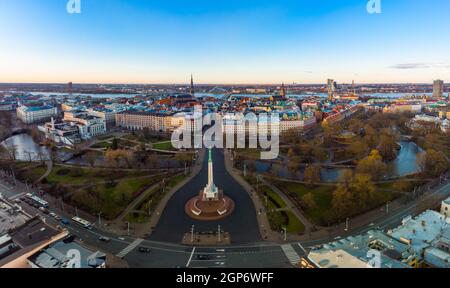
pixel 170 255
pixel 242 224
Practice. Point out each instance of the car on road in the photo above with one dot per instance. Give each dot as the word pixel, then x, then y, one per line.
pixel 204 257
pixel 18 201
pixel 121 239
pixel 43 210
pixel 104 239
pixel 144 250
pixel 58 218
pixel 65 222
pixel 53 214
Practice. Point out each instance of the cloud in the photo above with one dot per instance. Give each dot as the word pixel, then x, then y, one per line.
pixel 420 65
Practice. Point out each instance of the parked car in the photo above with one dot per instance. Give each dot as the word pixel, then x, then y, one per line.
pixel 203 257
pixel 144 250
pixel 43 210
pixel 104 239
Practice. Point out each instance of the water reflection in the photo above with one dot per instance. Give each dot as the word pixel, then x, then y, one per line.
pixel 405 164
pixel 26 148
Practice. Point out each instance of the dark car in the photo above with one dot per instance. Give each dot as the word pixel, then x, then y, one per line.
pixel 203 257
pixel 144 250
pixel 65 222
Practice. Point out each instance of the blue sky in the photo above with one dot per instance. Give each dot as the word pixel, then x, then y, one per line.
pixel 246 41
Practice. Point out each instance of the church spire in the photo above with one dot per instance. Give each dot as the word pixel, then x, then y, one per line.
pixel 283 91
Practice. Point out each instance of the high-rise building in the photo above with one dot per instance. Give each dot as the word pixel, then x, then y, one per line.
pixel 331 85
pixel 192 90
pixel 438 88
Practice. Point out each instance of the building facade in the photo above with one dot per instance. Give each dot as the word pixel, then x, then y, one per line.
pixel 438 89
pixel 36 114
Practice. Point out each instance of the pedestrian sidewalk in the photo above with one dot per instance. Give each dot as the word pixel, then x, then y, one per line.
pixel 263 222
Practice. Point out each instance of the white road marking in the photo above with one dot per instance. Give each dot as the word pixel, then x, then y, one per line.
pixel 129 248
pixel 190 258
pixel 291 254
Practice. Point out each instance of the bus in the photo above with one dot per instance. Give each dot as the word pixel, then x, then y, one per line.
pixel 83 223
pixel 38 201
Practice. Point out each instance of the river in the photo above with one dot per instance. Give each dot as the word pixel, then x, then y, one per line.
pixel 26 148
pixel 405 164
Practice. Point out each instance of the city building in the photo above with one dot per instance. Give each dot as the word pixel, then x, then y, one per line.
pixel 357 252
pixel 445 208
pixel 422 234
pixel 401 107
pixel 438 89
pixel 108 115
pixel 7 106
pixel 23 241
pixel 36 114
pixel 331 87
pixel 424 121
pixel 65 133
pixel 137 120
pixel 89 126
pixel 60 255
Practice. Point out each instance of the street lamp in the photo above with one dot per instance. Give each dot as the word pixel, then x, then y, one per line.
pixel 387 207
pixel 218 230
pixel 192 233
pixel 128 228
pixel 100 219
pixel 346 224
pixel 285 233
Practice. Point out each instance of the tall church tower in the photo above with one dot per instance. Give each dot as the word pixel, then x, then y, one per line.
pixel 283 91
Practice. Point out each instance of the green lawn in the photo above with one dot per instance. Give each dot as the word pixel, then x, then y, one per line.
pixel 323 196
pixel 141 213
pixel 111 200
pixel 102 145
pixel 164 146
pixel 253 154
pixel 175 180
pixel 33 174
pixel 294 225
pixel 85 175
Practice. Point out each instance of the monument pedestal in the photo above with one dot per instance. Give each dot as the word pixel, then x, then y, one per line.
pixel 209 210
pixel 210 204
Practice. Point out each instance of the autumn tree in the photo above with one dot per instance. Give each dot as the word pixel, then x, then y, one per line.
pixel 372 165
pixel 91 158
pixel 388 146
pixel 312 174
pixel 433 163
pixel 309 201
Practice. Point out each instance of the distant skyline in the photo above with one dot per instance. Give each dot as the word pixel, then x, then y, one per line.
pixel 224 42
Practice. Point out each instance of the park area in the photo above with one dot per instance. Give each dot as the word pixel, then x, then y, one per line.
pixel 278 214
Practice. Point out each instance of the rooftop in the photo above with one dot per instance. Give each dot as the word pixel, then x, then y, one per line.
pixel 10 216
pixel 421 231
pixel 58 254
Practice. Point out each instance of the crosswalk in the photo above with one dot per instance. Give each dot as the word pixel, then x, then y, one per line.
pixel 129 248
pixel 291 254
